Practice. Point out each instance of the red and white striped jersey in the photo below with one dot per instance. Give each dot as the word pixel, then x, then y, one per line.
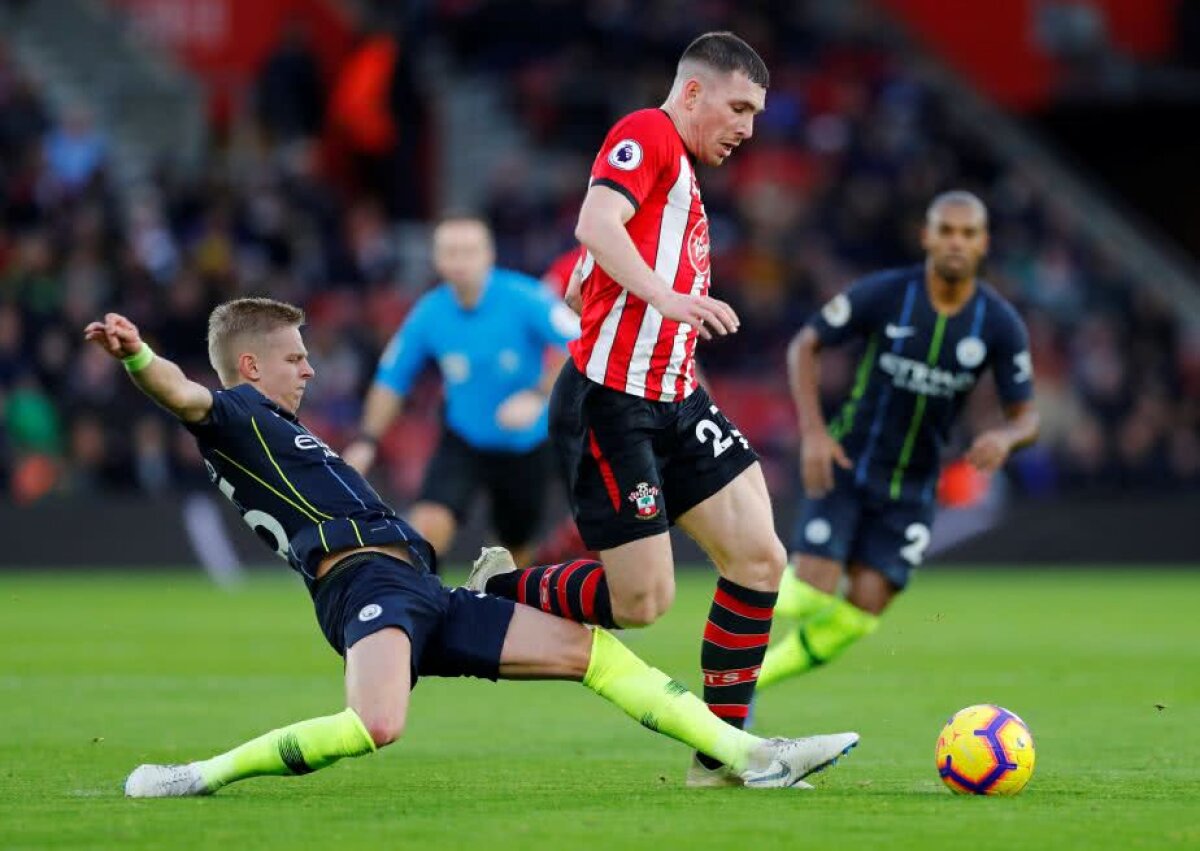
pixel 625 343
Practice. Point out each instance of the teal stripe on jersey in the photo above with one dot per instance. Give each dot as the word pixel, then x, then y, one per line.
pixel 845 420
pixel 935 348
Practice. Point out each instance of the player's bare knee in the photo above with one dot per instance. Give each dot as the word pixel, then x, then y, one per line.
pixel 640 610
pixel 760 569
pixel 383 728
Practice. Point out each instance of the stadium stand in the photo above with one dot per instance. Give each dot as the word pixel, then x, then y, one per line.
pixel 834 185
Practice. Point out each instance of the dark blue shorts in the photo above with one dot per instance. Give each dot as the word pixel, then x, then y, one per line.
pixel 852 525
pixel 454 633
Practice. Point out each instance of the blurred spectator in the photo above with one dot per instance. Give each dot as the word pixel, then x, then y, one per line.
pixel 290 96
pixel 75 150
pixel 834 184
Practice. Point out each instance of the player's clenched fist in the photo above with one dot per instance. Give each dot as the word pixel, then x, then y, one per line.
pixel 818 453
pixel 116 335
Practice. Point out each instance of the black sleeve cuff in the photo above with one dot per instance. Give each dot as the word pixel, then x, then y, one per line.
pixel 612 184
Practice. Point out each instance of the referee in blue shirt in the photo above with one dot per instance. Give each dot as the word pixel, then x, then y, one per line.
pixel 488 331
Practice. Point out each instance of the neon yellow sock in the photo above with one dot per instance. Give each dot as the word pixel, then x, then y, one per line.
pixel 797 599
pixel 662 704
pixel 296 749
pixel 819 639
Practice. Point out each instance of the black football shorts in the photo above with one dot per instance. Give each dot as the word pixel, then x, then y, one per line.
pixel 632 465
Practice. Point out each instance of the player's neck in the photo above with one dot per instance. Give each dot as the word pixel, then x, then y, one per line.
pixel 948 296
pixel 676 115
pixel 468 297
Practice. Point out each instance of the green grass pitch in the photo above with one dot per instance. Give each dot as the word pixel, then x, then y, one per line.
pixel 103 671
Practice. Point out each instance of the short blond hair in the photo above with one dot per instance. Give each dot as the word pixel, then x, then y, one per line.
pixel 236 320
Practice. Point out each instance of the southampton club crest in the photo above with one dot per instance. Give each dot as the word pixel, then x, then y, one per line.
pixel 645 500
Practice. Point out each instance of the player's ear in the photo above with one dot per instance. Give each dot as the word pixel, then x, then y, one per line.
pixel 248 366
pixel 692 90
pixel 925 237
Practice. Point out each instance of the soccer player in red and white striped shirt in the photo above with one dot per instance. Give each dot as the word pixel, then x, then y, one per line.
pixel 643 446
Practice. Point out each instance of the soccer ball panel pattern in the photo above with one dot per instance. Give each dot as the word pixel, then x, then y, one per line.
pixel 985 750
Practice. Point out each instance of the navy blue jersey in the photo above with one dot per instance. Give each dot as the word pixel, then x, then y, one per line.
pixel 295 492
pixel 917 368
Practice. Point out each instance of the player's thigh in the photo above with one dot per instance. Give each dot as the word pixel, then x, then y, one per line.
pixel 516 485
pixel 736 528
pixel 452 477
pixel 379 682
pixel 704 455
pixel 369 594
pixel 541 646
pixel 470 639
pixel 616 487
pixel 892 540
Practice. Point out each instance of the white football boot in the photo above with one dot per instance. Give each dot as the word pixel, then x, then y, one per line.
pixel 723 777
pixel 786 762
pixel 492 561
pixel 166 781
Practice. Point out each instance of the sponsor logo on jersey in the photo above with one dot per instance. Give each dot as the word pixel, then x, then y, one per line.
pixel 919 377
pixel 645 500
pixel 837 311
pixel 311 441
pixel 698 247
pixel 625 155
pixel 971 351
pixel 369 612
pixel 898 332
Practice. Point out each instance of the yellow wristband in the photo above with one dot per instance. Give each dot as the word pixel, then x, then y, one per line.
pixel 141 360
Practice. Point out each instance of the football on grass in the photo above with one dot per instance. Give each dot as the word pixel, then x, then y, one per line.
pixel 985 750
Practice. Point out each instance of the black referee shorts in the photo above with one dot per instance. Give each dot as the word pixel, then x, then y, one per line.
pixel 515 484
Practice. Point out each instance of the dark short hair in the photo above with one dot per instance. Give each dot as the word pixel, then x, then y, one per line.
pixel 957 198
pixel 724 51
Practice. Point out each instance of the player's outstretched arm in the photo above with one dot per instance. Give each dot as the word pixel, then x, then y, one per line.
pixel 601 230
pixel 818 450
pixel 157 377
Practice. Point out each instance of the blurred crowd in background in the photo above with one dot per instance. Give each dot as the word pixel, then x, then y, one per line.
pixel 834 185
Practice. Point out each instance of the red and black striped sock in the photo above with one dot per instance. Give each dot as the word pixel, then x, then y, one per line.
pixel 575 590
pixel 735 641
